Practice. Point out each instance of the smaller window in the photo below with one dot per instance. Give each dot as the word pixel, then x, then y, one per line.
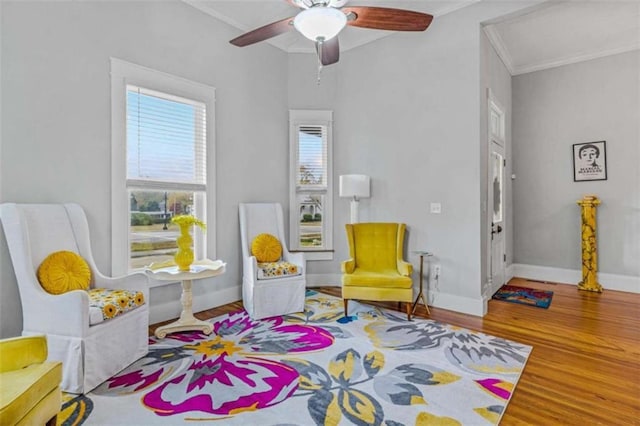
pixel 311 207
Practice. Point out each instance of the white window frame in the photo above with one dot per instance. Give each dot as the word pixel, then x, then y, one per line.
pixel 122 74
pixel 299 118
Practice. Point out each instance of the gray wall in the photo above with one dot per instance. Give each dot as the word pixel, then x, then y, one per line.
pixel 553 109
pixel 56 116
pixel 407 113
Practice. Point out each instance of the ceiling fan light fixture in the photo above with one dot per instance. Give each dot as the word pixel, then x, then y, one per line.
pixel 320 22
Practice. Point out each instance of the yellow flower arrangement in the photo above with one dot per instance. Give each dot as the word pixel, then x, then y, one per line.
pixel 188 220
pixel 184 256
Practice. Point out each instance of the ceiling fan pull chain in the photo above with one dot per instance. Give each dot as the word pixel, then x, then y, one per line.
pixel 319 47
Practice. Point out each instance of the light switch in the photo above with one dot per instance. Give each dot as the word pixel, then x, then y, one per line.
pixel 436 208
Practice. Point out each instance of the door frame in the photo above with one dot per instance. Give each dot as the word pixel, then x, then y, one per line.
pixel 496 132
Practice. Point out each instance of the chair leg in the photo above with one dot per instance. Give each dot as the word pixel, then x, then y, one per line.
pixel 346 306
pixel 408 305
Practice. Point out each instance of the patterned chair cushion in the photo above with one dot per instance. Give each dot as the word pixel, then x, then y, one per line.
pixel 270 270
pixel 105 304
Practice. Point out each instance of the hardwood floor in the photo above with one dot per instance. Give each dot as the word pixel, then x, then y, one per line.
pixel 585 365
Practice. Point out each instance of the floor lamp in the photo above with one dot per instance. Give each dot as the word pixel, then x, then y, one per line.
pixel 355 187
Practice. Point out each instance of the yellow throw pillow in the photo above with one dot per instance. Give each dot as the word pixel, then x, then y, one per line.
pixel 266 248
pixel 64 271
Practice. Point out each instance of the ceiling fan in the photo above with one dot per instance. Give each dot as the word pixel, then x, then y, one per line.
pixel 321 20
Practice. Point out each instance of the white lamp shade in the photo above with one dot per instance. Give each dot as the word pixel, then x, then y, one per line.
pixel 320 22
pixel 358 186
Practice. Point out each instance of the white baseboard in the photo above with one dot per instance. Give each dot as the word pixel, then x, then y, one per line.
pixel 617 282
pixel 464 305
pixel 171 309
pixel 509 272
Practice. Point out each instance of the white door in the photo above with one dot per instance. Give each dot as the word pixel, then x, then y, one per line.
pixel 495 202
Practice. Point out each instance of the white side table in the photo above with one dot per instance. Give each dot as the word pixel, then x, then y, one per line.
pixel 421 295
pixel 199 269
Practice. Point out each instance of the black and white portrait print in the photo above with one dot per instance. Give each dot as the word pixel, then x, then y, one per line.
pixel 589 161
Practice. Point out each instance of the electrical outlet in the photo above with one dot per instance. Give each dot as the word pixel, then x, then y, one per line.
pixel 436 270
pixel 435 208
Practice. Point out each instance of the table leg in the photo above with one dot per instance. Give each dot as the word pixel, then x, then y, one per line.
pixel 186 322
pixel 187 301
pixel 421 292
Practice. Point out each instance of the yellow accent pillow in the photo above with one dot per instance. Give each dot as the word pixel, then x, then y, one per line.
pixel 266 248
pixel 64 271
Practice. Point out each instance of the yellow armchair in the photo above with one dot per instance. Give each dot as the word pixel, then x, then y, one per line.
pixel 29 385
pixel 376 269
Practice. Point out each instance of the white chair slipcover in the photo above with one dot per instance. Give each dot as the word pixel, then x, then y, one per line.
pixel 265 298
pixel 89 354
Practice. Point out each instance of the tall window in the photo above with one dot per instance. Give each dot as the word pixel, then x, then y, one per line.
pixel 166 171
pixel 311 206
pixel 161 128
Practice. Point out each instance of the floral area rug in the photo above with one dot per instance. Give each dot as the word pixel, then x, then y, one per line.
pixel 524 296
pixel 317 367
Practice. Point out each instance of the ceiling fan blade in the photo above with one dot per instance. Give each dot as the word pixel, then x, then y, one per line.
pixel 328 51
pixel 263 33
pixel 384 18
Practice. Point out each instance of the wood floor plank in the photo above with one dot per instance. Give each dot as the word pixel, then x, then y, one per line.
pixel 585 365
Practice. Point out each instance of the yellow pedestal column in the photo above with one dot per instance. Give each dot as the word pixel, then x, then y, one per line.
pixel 589 247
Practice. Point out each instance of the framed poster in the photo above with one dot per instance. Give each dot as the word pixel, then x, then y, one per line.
pixel 589 161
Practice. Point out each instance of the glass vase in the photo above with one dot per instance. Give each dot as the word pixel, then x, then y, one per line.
pixel 184 255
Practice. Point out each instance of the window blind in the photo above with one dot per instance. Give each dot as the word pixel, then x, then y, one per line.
pixel 166 141
pixel 312 156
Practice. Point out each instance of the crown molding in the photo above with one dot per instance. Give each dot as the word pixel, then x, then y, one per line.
pixel 527 68
pixel 499 45
pixel 496 39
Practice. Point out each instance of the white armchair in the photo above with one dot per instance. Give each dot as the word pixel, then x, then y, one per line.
pixel 265 297
pixel 90 353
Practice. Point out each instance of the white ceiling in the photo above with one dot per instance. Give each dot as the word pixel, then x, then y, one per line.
pixel 548 35
pixel 560 33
